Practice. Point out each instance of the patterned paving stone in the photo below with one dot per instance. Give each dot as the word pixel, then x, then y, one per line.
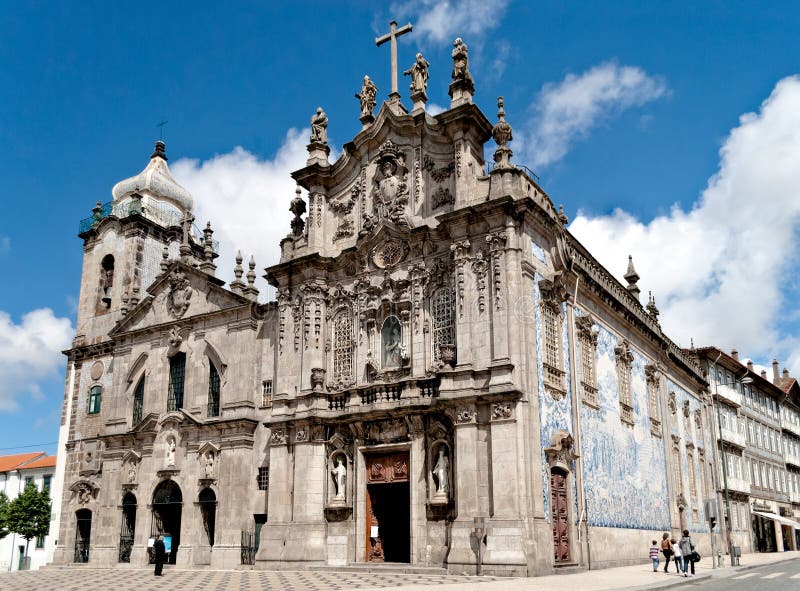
pixel 83 578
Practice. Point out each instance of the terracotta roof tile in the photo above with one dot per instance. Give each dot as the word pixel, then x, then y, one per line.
pixel 8 463
pixel 43 462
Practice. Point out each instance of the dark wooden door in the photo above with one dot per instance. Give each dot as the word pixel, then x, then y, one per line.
pixel 387 510
pixel 559 514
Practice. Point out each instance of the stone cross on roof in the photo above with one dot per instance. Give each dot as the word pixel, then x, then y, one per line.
pixel 392 36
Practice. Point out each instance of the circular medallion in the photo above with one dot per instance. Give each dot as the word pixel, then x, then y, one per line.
pixel 389 253
pixel 97 370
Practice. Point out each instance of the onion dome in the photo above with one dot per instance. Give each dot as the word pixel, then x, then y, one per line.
pixel 155 180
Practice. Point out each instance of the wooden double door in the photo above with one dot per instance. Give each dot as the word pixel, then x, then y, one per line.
pixel 388 510
pixel 559 516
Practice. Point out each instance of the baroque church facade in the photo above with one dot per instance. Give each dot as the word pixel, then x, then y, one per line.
pixel 446 377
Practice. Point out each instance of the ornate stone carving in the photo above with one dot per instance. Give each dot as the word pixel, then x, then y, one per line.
pixel 672 403
pixel 502 410
pixel 459 156
pixel 180 292
pixel 479 269
pixel 441 197
pixel 83 493
pixel 278 436
pixel 301 434
pixel 686 409
pixel 389 253
pixel 175 339
pixel 465 414
pixel 497 246
pixel 387 430
pixel 586 329
pixel 502 134
pixel 390 188
pixel 447 353
pixel 317 378
pixel 698 420
pixel 561 450
pixel 460 252
pixel 298 208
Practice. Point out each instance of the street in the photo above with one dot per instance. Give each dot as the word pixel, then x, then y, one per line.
pixel 775 577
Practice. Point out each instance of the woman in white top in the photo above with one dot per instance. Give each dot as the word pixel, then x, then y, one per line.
pixel 676 548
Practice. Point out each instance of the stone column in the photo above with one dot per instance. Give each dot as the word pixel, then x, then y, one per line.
pixel 305 540
pixel 463 554
pixel 506 536
pixel 279 498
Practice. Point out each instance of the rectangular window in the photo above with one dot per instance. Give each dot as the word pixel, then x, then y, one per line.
pixel 263 477
pixel 266 394
pixel 177 374
pixel 40 541
pixel 94 399
pixel 624 359
pixel 676 469
pixel 552 361
pixel 46 480
pixel 28 480
pixel 692 480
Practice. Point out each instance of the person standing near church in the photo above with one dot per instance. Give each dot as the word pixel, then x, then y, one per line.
pixel 654 555
pixel 160 555
pixel 687 549
pixel 666 549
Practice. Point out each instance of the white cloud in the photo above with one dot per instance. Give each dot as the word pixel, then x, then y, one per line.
pixel 444 20
pixel 29 353
pixel 246 199
pixel 566 112
pixel 434 109
pixel 718 270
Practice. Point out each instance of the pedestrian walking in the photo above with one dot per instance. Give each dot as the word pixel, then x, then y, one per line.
pixel 687 549
pixel 654 555
pixel 159 555
pixel 677 555
pixel 666 550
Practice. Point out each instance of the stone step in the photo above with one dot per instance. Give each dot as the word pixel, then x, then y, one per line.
pixel 385 567
pixel 570 569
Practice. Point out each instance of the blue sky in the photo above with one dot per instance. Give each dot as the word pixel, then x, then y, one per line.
pixel 648 121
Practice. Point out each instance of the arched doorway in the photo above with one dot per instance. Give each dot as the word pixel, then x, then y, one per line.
pixel 559 508
pixel 83 531
pixel 167 506
pixel 208 511
pixel 128 527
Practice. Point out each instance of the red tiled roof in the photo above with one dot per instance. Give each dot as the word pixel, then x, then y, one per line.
pixel 8 463
pixel 43 462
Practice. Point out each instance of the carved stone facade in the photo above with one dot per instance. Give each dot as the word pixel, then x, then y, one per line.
pixel 431 356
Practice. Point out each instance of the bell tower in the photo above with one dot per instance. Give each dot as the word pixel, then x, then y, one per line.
pixel 128 241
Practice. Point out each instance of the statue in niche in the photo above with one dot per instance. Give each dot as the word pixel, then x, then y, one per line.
pixel 132 472
pixel 319 127
pixel 419 75
pixel 171 452
pixel 367 97
pixel 440 474
pixel 391 337
pixel 209 465
pixel 340 480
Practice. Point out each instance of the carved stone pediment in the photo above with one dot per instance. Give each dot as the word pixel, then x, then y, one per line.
pixel 561 449
pixel 83 492
pixel 179 292
pixel 386 431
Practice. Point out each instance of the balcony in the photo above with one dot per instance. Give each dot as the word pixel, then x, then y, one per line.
pixel 125 209
pixel 738 485
pixel 793 459
pixel 729 394
pixel 790 426
pixel 733 437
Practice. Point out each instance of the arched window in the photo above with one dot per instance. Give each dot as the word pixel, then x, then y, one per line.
pixel 213 390
pixel 177 374
pixel 392 342
pixel 94 399
pixel 106 280
pixel 343 347
pixel 444 327
pixel 138 402
pixel 208 510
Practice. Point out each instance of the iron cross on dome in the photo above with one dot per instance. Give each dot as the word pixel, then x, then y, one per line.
pixel 392 36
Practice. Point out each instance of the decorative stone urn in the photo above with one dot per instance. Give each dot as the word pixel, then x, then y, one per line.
pixel 447 353
pixel 317 378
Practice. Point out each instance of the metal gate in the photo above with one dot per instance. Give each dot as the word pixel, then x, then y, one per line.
pixel 127 528
pixel 83 533
pixel 248 547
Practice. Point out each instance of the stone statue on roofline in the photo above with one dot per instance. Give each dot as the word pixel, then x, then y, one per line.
pixel 463 86
pixel 367 99
pixel 319 127
pixel 419 81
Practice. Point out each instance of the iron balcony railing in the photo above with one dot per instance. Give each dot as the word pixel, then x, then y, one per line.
pixel 134 207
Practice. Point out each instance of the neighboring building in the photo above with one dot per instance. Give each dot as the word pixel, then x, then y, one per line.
pixel 16 472
pixel 441 354
pixel 758 430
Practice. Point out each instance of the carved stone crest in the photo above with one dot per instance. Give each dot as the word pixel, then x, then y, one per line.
pixel 389 253
pixel 83 493
pixel 278 436
pixel 390 190
pixel 502 410
pixel 561 449
pixel 465 414
pixel 180 292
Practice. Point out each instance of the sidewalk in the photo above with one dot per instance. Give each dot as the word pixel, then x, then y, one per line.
pixel 626 577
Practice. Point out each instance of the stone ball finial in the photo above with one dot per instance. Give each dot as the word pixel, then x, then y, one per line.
pixel 502 133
